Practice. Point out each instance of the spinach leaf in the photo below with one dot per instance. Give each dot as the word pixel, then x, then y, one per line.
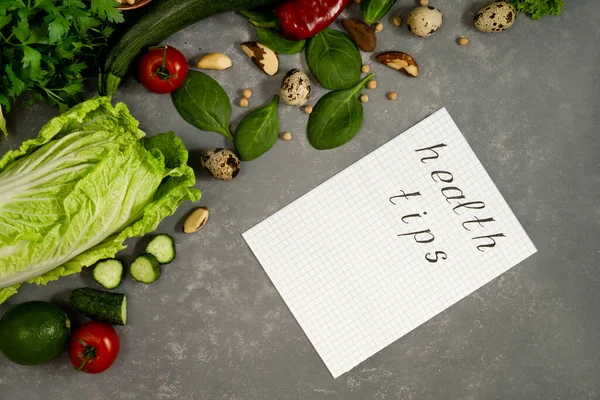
pixel 261 16
pixel 202 102
pixel 337 117
pixel 280 45
pixel 257 132
pixel 373 10
pixel 333 59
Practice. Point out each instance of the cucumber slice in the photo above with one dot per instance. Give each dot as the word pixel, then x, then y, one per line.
pixel 145 268
pixel 100 305
pixel 109 273
pixel 162 247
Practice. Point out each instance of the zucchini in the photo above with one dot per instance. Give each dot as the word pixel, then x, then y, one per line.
pixel 109 273
pixel 160 19
pixel 145 268
pixel 162 247
pixel 100 305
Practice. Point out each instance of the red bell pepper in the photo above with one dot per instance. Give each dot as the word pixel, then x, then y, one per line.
pixel 302 19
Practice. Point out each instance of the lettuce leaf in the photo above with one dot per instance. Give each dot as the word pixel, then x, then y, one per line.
pixel 87 182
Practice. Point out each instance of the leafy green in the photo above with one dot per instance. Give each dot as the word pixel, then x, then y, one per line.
pixel 261 16
pixel 87 182
pixel 539 8
pixel 337 117
pixel 333 59
pixel 257 132
pixel 202 102
pixel 49 47
pixel 373 10
pixel 3 123
pixel 273 40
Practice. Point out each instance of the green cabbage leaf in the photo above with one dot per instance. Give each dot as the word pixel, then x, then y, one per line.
pixel 87 182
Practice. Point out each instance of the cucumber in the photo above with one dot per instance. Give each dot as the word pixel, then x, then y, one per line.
pixel 145 268
pixel 162 247
pixel 109 273
pixel 160 19
pixel 100 305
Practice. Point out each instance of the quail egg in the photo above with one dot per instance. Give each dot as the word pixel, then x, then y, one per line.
pixel 424 21
pixel 495 17
pixel 295 88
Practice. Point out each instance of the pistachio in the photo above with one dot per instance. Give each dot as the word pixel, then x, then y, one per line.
pixel 399 61
pixel 216 61
pixel 262 56
pixel 196 220
pixel 361 33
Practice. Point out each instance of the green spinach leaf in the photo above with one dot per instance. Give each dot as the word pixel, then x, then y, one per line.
pixel 373 10
pixel 257 132
pixel 202 102
pixel 333 59
pixel 261 16
pixel 280 45
pixel 337 117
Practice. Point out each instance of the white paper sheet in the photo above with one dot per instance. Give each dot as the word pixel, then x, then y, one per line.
pixel 347 257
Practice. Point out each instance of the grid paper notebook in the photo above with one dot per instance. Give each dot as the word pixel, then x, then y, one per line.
pixel 389 242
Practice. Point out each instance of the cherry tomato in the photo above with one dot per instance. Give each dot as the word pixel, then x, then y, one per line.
pixel 163 69
pixel 93 347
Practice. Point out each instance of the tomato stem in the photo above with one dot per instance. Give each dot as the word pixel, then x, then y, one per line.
pixel 162 71
pixel 89 352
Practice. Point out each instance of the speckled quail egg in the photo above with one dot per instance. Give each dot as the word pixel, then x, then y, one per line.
pixel 222 164
pixel 424 21
pixel 495 17
pixel 295 88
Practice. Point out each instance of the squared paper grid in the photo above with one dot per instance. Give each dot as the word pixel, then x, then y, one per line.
pixel 352 283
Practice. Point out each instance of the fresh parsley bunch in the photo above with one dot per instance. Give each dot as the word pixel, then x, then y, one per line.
pixel 539 8
pixel 49 47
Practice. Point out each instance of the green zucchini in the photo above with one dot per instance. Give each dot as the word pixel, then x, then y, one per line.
pixel 161 19
pixel 109 273
pixel 162 247
pixel 100 305
pixel 145 268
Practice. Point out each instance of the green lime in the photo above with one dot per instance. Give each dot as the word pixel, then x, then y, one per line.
pixel 33 332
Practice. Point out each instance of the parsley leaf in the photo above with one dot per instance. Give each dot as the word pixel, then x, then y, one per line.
pixel 31 57
pixel 21 31
pixel 106 10
pixel 539 8
pixel 5 20
pixel 49 48
pixel 18 86
pixel 58 28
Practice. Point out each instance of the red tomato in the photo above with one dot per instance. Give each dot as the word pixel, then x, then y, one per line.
pixel 163 69
pixel 93 347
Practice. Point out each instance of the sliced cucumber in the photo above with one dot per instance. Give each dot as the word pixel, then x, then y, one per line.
pixel 109 273
pixel 162 247
pixel 145 268
pixel 100 305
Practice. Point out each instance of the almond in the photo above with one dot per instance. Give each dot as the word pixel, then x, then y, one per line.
pixel 216 61
pixel 262 56
pixel 399 61
pixel 361 33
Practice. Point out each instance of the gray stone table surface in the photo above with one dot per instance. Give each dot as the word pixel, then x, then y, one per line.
pixel 214 327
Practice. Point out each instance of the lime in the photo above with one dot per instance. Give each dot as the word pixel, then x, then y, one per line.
pixel 33 332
